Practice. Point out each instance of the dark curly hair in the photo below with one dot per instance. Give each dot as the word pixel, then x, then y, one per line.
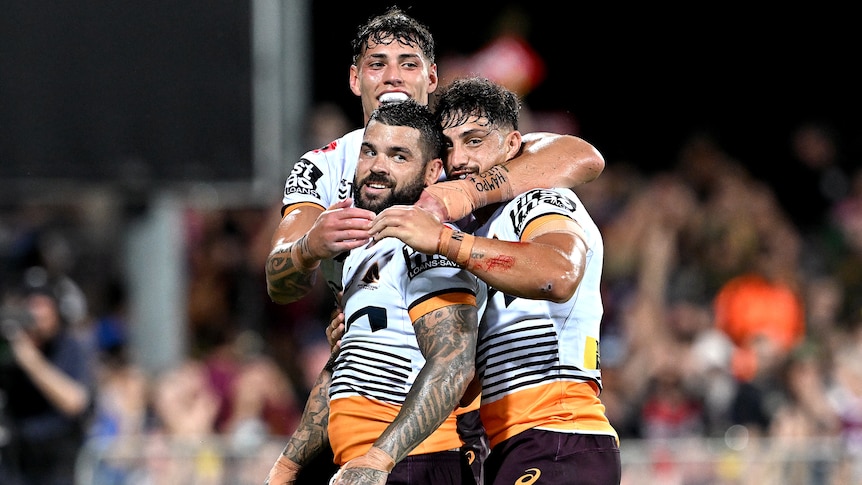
pixel 472 98
pixel 393 26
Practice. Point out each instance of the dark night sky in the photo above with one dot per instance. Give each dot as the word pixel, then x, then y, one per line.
pixel 640 82
pixel 86 84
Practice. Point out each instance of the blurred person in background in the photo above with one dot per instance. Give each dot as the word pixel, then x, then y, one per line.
pixel 179 447
pixel 47 383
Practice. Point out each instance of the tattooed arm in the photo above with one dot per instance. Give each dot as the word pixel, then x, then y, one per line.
pixel 547 265
pixel 304 237
pixel 311 436
pixel 546 160
pixel 447 338
pixel 285 282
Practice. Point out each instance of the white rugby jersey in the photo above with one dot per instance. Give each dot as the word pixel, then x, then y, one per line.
pixel 323 177
pixel 539 360
pixel 387 285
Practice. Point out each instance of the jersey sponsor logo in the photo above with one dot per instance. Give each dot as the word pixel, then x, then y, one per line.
pixel 418 263
pixel 533 199
pixel 303 178
pixel 531 475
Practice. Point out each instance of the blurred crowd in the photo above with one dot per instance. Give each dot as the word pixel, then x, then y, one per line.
pixel 731 303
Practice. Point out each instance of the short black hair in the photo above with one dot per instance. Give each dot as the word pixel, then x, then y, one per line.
pixel 393 26
pixel 414 115
pixel 476 97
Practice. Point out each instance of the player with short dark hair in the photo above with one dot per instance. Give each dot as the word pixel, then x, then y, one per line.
pixel 386 404
pixel 541 256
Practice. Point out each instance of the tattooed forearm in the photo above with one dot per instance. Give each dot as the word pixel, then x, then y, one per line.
pixel 362 476
pixel 311 436
pixel 286 283
pixel 447 338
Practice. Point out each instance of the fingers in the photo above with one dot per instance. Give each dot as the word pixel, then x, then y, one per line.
pixel 335 330
pixel 390 217
pixel 345 210
pixel 342 204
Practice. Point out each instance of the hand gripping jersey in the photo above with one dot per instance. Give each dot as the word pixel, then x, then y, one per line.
pixel 387 285
pixel 539 360
pixel 323 177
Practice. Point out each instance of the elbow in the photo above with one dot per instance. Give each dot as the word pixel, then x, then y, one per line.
pixel 76 404
pixel 466 374
pixel 560 289
pixel 558 294
pixel 280 298
pixel 594 165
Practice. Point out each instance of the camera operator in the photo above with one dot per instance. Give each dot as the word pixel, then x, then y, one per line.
pixel 46 385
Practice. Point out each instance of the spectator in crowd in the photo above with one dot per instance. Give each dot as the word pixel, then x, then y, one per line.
pixel 47 385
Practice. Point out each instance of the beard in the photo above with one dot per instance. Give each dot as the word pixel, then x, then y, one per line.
pixel 406 195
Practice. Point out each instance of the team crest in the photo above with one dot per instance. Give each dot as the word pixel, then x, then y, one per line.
pixel 534 198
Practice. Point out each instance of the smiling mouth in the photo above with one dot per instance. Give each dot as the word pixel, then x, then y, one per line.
pixel 393 97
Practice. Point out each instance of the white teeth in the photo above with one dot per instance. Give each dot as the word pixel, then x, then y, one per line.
pixel 393 97
pixel 463 176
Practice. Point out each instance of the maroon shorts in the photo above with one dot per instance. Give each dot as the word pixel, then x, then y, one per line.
pixel 538 457
pixel 445 468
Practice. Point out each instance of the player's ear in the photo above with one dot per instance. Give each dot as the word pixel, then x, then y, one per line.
pixel 513 144
pixel 354 80
pixel 433 80
pixel 433 171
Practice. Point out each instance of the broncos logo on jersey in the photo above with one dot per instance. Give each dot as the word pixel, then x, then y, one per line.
pixel 531 200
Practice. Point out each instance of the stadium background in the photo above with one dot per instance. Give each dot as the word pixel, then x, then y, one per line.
pixel 141 97
pixel 87 85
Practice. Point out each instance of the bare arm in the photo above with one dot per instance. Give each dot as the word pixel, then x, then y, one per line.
pixel 65 393
pixel 284 281
pixel 546 160
pixel 549 160
pixel 548 266
pixel 447 338
pixel 310 438
pixel 304 237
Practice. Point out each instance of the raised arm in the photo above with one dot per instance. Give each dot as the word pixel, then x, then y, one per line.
pixel 546 160
pixel 307 235
pixel 288 278
pixel 69 395
pixel 447 338
pixel 549 265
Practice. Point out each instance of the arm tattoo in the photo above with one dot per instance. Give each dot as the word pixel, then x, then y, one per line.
pixel 360 476
pixel 447 338
pixel 286 282
pixel 311 436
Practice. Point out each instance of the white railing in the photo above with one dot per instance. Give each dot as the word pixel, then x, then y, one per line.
pixel 216 460
pixel 809 461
